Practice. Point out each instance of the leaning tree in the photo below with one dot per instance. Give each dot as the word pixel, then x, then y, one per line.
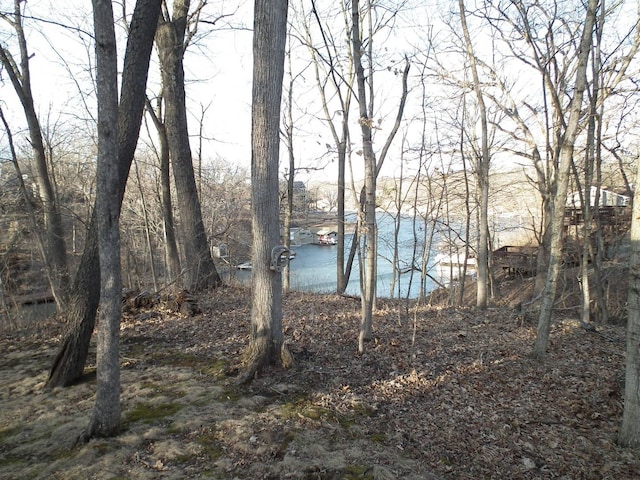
pixel 52 239
pixel 69 362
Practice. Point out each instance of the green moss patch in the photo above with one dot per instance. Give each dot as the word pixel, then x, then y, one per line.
pixel 204 365
pixel 13 460
pixel 148 413
pixel 8 432
pixel 305 408
pixel 210 444
pixel 214 368
pixel 358 472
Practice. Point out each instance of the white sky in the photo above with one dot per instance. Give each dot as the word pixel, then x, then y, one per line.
pixel 218 69
pixel 218 72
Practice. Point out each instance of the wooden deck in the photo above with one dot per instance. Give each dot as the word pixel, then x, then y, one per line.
pixel 608 215
pixel 516 259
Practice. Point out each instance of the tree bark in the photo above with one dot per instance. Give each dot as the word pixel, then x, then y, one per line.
pixel 629 435
pixel 288 210
pixel 172 256
pixel 53 245
pixel 266 345
pixel 200 271
pixel 369 232
pixel 105 419
pixel 482 173
pixel 566 156
pixel 69 362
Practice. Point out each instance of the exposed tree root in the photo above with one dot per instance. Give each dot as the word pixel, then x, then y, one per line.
pixel 258 358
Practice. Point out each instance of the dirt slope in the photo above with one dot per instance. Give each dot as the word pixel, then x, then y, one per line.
pixel 440 393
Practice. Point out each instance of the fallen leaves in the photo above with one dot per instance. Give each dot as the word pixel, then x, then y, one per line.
pixel 440 392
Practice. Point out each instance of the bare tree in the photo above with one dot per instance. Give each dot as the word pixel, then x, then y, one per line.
pixel 629 435
pixel 53 241
pixel 171 40
pixel 605 87
pixel 552 56
pixel 482 169
pixel 566 146
pixel 428 203
pixel 266 344
pixel 172 257
pixel 367 217
pixel 68 364
pixel 369 227
pixel 289 136
pixel 105 419
pixel 334 78
pixel 518 24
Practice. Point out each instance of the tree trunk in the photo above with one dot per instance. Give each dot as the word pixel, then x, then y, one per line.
pixel 369 233
pixel 68 365
pixel 54 245
pixel 105 419
pixel 147 228
pixel 200 271
pixel 467 231
pixel 594 143
pixel 544 249
pixel 482 172
pixel 399 199
pixel 288 212
pixel 629 435
pixel 340 81
pixel 69 362
pixel 341 279
pixel 266 344
pixel 566 155
pixel 172 256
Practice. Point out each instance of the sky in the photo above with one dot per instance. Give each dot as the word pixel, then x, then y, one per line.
pixel 218 70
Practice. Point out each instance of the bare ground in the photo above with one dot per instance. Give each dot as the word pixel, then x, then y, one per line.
pixel 441 393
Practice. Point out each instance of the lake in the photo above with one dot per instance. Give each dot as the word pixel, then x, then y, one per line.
pixel 314 267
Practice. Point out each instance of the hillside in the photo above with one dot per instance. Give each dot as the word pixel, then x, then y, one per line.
pixel 440 393
pixel 517 293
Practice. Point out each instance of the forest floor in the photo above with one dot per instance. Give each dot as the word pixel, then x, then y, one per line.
pixel 440 393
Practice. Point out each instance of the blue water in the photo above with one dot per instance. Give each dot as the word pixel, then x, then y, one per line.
pixel 314 267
